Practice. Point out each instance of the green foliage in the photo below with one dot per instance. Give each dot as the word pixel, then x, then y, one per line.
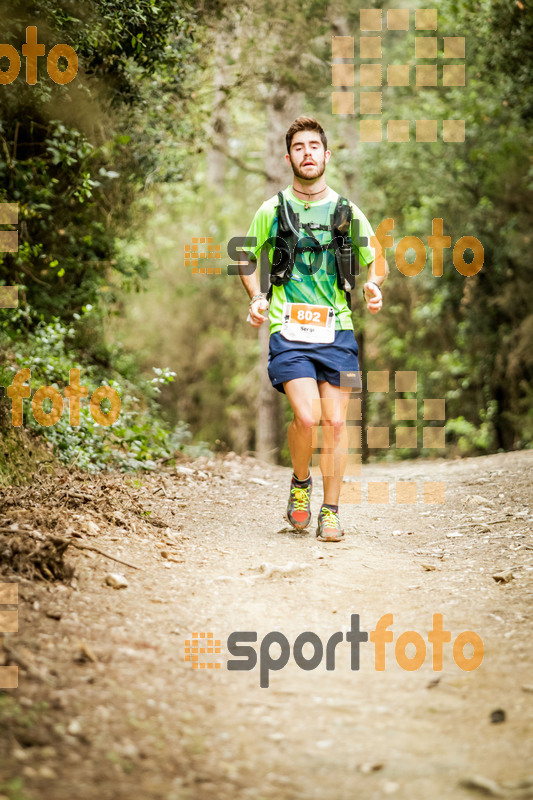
pixel 136 440
pixel 14 789
pixel 74 157
pixel 470 439
pixel 195 324
pixel 469 338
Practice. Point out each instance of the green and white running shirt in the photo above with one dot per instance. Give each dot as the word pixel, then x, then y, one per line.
pixel 315 286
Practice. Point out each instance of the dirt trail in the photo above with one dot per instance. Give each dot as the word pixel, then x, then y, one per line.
pixel 107 707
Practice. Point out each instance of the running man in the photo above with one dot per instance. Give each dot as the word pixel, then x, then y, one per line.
pixel 313 351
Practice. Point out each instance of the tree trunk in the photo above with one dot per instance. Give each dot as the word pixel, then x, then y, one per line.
pixel 282 108
pixel 216 157
pixel 503 427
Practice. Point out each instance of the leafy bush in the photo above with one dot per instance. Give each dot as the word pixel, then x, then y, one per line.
pixel 137 439
pixel 471 439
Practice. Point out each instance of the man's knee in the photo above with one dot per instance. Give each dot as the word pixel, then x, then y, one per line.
pixel 337 423
pixel 306 420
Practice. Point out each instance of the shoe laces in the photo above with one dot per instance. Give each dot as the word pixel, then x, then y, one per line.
pixel 331 519
pixel 300 495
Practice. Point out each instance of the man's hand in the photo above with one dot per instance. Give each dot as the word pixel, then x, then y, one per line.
pixel 373 297
pixel 255 317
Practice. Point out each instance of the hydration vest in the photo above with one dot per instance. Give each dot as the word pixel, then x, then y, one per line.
pixel 288 242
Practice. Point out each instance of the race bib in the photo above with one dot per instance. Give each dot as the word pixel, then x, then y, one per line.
pixel 307 323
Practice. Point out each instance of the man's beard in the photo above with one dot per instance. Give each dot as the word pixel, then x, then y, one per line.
pixel 309 175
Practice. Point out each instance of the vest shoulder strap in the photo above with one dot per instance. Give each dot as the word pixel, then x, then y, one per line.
pixel 342 216
pixel 287 217
pixel 340 221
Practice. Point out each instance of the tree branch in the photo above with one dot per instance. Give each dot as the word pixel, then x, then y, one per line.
pixel 80 546
pixel 240 163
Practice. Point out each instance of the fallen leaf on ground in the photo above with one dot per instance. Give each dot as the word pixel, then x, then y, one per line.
pixel 503 577
pixel 371 767
pixel 85 653
pixel 116 580
pixel 484 785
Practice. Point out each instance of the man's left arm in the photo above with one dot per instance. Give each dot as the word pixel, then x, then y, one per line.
pixel 362 236
pixel 372 288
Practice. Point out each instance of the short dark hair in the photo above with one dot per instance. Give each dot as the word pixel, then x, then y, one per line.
pixel 305 124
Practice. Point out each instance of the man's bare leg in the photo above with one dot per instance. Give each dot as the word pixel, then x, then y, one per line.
pixel 304 397
pixel 334 405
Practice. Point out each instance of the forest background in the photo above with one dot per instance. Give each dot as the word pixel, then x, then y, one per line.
pixel 173 128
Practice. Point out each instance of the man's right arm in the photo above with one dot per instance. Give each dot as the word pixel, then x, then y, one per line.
pixel 250 278
pixel 249 274
pixel 249 264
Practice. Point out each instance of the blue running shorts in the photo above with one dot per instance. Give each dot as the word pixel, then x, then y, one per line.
pixel 323 362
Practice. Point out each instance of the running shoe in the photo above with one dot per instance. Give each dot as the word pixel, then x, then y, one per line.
pixel 299 507
pixel 329 526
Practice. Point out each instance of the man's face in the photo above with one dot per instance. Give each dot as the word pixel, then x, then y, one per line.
pixel 307 157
